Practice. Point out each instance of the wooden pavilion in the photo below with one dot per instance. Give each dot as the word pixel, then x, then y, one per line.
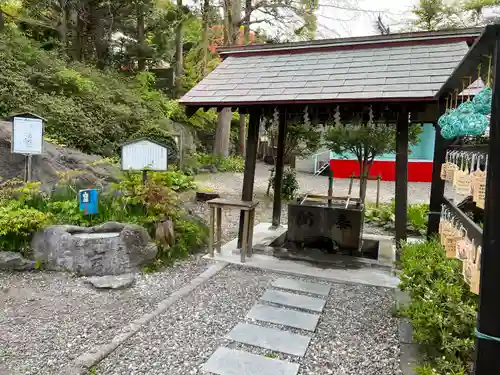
pixel 396 77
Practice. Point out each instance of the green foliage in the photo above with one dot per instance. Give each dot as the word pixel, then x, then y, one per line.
pixel 25 210
pixel 366 143
pixel 431 15
pixel 442 309
pixel 18 224
pixel 94 111
pixel 385 215
pixel 300 139
pixel 232 163
pixel 290 186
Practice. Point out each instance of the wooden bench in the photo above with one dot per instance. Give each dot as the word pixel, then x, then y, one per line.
pixel 215 207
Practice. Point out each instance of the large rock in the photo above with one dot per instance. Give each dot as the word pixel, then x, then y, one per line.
pixel 85 170
pixel 15 262
pixel 108 249
pixel 112 281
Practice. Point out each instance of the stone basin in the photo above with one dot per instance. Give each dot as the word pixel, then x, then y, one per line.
pixel 107 249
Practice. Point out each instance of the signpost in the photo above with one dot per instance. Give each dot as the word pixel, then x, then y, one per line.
pixel 89 201
pixel 144 155
pixel 27 138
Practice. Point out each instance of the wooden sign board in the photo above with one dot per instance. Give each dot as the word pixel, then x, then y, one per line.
pixel 144 154
pixel 27 135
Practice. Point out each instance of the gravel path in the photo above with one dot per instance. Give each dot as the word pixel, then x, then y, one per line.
pixel 352 337
pixel 47 319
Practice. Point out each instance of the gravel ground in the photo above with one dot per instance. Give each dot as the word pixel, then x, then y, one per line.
pixel 47 319
pixel 231 183
pixel 352 337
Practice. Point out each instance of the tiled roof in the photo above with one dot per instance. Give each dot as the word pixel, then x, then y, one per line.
pixel 379 72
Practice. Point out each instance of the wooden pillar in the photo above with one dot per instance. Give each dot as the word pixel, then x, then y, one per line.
pixel 250 161
pixel 437 185
pixel 280 163
pixel 488 350
pixel 402 125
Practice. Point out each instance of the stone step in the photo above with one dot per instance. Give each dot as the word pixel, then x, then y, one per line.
pixel 270 338
pixel 302 286
pixel 285 317
pixel 294 300
pixel 227 361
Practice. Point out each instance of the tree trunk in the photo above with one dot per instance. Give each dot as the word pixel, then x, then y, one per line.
pixel 141 37
pixel 236 21
pixel 179 68
pixel 222 133
pixel 363 179
pixel 2 20
pixel 62 28
pixel 75 25
pixel 101 45
pixel 204 11
pixel 221 146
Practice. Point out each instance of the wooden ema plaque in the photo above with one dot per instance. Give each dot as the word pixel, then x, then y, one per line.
pixel 462 182
pixel 450 171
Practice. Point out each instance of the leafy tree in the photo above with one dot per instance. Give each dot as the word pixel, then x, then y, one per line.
pixel 433 15
pixel 366 142
pixel 301 138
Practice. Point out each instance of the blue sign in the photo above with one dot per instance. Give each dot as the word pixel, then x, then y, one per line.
pixel 88 200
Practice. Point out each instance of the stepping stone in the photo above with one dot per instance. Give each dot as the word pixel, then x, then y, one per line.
pixel 227 361
pixel 285 317
pixel 294 300
pixel 270 338
pixel 302 286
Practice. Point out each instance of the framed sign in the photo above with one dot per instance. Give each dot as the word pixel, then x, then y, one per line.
pixel 27 135
pixel 88 201
pixel 144 154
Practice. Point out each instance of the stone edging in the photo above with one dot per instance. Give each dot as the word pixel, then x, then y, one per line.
pixel 84 362
pixel 408 356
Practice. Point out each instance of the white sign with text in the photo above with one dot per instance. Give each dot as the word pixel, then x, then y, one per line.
pixel 144 155
pixel 27 136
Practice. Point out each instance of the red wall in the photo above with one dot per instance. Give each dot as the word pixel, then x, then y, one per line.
pixel 418 171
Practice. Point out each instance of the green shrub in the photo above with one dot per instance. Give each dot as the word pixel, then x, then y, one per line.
pixel 18 224
pixel 385 215
pixel 442 309
pixel 92 110
pixel 25 210
pixel 232 163
pixel 290 186
pixel 178 181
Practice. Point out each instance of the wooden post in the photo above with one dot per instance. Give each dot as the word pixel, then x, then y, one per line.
pixel 330 189
pixel 379 178
pixel 278 175
pixel 250 161
pixel 144 182
pixel 402 125
pixel 351 180
pixel 487 350
pixel 437 185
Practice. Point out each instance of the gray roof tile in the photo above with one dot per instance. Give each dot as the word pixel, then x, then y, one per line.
pixel 416 71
